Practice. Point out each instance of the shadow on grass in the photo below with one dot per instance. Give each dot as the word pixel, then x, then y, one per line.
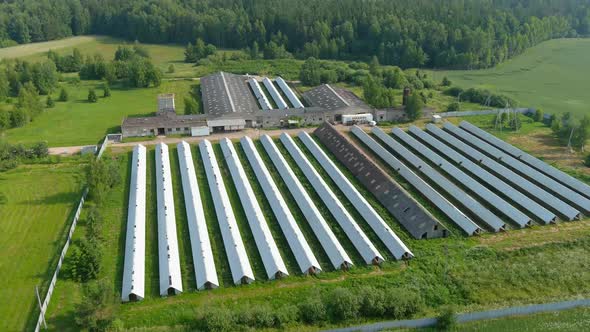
pixel 48 274
pixel 59 198
pixel 118 277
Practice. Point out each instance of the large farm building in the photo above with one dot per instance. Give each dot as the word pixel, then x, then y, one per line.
pixel 234 102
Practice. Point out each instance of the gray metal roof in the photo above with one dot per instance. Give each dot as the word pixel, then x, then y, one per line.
pixel 476 188
pixel 568 195
pixel 352 230
pixel 379 226
pixel 458 217
pixel 477 209
pixel 169 120
pixel 543 197
pixel 227 93
pixel 524 157
pixel 407 211
pixel 495 182
pixel 324 96
pixel 134 265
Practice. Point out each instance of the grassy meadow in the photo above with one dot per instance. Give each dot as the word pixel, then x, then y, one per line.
pixel 553 75
pixel 78 122
pixel 537 264
pixel 36 206
pixel 571 320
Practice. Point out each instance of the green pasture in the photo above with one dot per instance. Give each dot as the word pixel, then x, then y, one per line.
pixel 553 75
pixel 78 122
pixel 36 207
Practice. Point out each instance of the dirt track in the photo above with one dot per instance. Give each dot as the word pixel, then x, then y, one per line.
pixel 253 133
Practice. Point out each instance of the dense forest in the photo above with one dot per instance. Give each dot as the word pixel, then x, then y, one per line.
pixel 407 33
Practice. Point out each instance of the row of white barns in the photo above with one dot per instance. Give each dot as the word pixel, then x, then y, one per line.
pixel 274 93
pixel 241 270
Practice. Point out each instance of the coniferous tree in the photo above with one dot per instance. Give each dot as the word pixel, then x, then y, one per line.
pixel 106 91
pixel 414 107
pixel 49 103
pixel 63 95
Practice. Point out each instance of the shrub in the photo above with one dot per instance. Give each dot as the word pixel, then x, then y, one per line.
pixel 415 82
pixel 371 301
pixel 342 304
pixel 171 69
pixel 447 320
pixel 454 107
pixel 446 81
pixel 285 315
pixel 219 319
pixel 92 98
pixel 256 316
pixel 587 160
pixel 428 84
pixel 453 91
pixel 401 303
pixel 312 311
pixel 96 311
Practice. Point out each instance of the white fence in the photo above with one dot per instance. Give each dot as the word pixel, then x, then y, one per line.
pixel 64 250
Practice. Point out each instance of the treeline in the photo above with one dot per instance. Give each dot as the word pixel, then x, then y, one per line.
pixel 482 97
pixel 24 82
pixel 407 33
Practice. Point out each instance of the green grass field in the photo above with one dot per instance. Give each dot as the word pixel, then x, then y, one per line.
pixel 553 75
pixel 78 122
pixel 533 265
pixel 572 320
pixel 36 203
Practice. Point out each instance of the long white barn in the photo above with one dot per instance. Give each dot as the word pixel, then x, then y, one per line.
pixel 338 257
pixel 274 93
pixel 289 93
pixel 395 245
pixel 260 96
pixel 352 230
pixel 303 254
pixel 232 240
pixel 134 266
pixel 169 262
pixel 204 264
pixel 269 252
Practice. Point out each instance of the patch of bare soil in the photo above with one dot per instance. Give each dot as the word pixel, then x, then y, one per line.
pixel 546 147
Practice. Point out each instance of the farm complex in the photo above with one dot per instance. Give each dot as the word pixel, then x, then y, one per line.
pixel 234 102
pixel 461 180
pixel 294 165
